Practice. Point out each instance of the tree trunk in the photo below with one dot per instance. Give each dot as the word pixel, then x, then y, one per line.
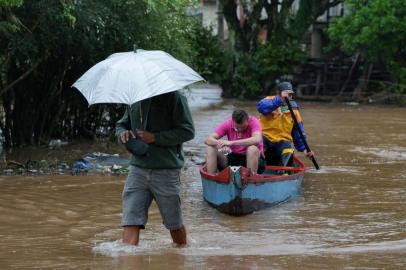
pixel 363 82
pixel 24 75
pixel 350 74
pixel 7 125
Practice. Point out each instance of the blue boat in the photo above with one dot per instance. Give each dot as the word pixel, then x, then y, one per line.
pixel 234 191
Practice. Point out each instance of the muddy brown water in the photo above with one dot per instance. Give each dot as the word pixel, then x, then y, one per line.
pixel 350 215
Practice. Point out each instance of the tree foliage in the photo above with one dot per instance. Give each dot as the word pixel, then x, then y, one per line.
pixel 274 55
pixel 10 3
pixel 212 57
pixel 377 30
pixel 45 45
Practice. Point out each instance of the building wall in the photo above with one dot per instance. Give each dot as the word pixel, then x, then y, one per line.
pixel 209 9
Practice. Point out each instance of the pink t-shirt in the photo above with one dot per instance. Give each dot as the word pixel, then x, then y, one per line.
pixel 227 128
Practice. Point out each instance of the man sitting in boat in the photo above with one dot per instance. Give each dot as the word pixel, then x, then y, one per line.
pixel 243 147
pixel 278 127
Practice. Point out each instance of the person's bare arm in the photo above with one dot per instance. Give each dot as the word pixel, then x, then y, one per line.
pixel 212 140
pixel 255 139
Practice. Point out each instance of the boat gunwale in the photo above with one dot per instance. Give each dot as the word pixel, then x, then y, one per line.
pixel 223 177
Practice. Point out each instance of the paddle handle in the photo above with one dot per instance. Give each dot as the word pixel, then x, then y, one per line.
pixel 296 123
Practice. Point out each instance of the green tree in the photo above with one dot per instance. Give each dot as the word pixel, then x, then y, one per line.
pixel 258 62
pixel 377 30
pixel 45 45
pixel 10 3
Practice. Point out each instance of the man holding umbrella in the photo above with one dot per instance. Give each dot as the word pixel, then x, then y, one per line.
pixel 156 123
pixel 163 122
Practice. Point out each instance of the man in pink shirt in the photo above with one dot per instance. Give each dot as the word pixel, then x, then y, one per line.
pixel 243 147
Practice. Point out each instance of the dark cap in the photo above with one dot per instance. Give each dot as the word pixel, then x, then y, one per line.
pixel 285 86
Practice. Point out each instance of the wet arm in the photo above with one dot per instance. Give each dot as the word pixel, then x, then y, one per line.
pixel 255 139
pixel 212 140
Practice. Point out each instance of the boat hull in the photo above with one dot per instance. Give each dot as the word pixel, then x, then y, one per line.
pixel 234 191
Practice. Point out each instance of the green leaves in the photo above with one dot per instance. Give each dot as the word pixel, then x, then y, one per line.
pixel 267 44
pixel 255 73
pixel 10 3
pixel 46 45
pixel 376 28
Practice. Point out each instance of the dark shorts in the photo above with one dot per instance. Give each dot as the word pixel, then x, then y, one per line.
pixel 234 159
pixel 144 185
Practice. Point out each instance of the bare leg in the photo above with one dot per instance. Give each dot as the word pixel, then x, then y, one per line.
pixel 211 159
pixel 131 235
pixel 252 158
pixel 179 236
pixel 222 160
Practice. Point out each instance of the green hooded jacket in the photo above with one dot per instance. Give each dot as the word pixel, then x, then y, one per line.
pixel 169 118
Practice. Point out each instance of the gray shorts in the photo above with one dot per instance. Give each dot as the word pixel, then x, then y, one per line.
pixel 144 185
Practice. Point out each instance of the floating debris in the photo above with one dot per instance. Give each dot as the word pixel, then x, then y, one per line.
pixel 56 143
pixel 96 162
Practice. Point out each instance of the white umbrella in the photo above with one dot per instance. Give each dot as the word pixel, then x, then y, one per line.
pixel 129 77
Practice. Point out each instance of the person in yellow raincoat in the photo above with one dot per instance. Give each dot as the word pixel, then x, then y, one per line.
pixel 278 129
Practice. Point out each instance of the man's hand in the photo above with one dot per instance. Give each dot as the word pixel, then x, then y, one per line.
pixel 222 143
pixel 225 150
pixel 308 154
pixel 145 136
pixel 287 94
pixel 125 135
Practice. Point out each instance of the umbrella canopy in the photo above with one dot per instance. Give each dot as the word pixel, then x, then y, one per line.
pixel 129 77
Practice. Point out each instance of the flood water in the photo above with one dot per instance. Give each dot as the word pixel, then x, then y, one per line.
pixel 350 215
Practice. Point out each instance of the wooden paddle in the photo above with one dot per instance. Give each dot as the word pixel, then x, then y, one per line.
pixel 296 123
